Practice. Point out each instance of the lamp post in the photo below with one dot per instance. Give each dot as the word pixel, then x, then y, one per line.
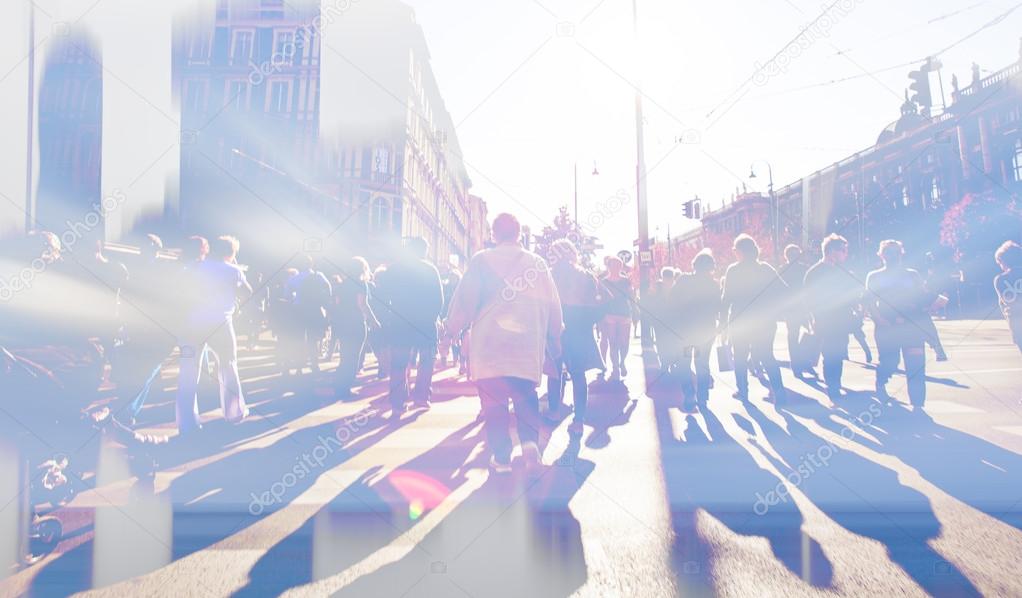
pixel 775 235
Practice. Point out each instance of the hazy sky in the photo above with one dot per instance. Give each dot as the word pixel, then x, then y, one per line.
pixel 535 97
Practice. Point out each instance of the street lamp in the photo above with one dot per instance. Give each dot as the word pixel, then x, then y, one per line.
pixel 775 216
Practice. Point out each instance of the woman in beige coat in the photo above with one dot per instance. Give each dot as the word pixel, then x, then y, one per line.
pixel 510 304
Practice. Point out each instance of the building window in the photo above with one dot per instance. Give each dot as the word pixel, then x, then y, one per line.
pixel 237 95
pixel 935 193
pixel 284 47
pixel 279 100
pixel 1016 161
pixel 195 96
pixel 199 47
pixel 241 46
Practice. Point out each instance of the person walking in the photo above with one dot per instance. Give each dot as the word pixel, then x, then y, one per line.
pixel 310 292
pixel 218 283
pixel 693 306
pixel 1009 287
pixel 350 318
pixel 509 300
pixel 579 292
pixel 617 317
pixel 896 299
pixel 753 294
pixel 831 297
pixel 793 274
pixel 415 299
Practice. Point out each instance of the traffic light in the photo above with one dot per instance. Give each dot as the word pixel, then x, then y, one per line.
pixel 692 209
pixel 920 88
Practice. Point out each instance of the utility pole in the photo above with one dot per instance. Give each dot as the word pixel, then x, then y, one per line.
pixel 640 187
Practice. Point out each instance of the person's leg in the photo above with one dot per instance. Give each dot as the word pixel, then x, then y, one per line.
pixel 763 352
pixel 555 389
pixel 400 355
pixel 350 350
pixel 619 344
pixel 186 407
pixel 914 353
pixel 888 355
pixel 860 337
pixel 741 349
pixel 526 402
pixel 703 376
pixel 580 395
pixel 682 373
pixel 224 344
pixel 493 396
pixel 604 328
pixel 423 391
pixel 793 328
pixel 834 345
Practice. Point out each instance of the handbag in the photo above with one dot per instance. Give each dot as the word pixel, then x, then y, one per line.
pixel 725 358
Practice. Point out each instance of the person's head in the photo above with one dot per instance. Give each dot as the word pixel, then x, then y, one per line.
pixel 506 229
pixel 224 248
pixel 704 262
pixel 1009 256
pixel 835 248
pixel 746 248
pixel 668 274
pixel 357 268
pixel 417 247
pixel 792 253
pixel 151 246
pixel 891 252
pixel 614 266
pixel 563 250
pixel 195 249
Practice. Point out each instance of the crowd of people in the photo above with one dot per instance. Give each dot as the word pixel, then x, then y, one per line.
pixel 513 318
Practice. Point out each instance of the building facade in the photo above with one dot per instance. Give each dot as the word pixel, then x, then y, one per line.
pixel 318 127
pixel 901 187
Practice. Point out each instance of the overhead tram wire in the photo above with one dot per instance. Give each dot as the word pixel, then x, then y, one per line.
pixel 995 21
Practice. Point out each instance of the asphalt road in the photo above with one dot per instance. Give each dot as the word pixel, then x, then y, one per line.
pixel 314 497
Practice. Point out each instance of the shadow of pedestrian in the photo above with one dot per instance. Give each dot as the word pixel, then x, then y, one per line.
pixel 865 498
pixel 710 473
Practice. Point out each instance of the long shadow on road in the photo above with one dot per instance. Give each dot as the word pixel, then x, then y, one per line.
pixel 865 498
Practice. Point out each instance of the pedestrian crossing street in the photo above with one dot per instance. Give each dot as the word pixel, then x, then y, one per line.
pixel 803 499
